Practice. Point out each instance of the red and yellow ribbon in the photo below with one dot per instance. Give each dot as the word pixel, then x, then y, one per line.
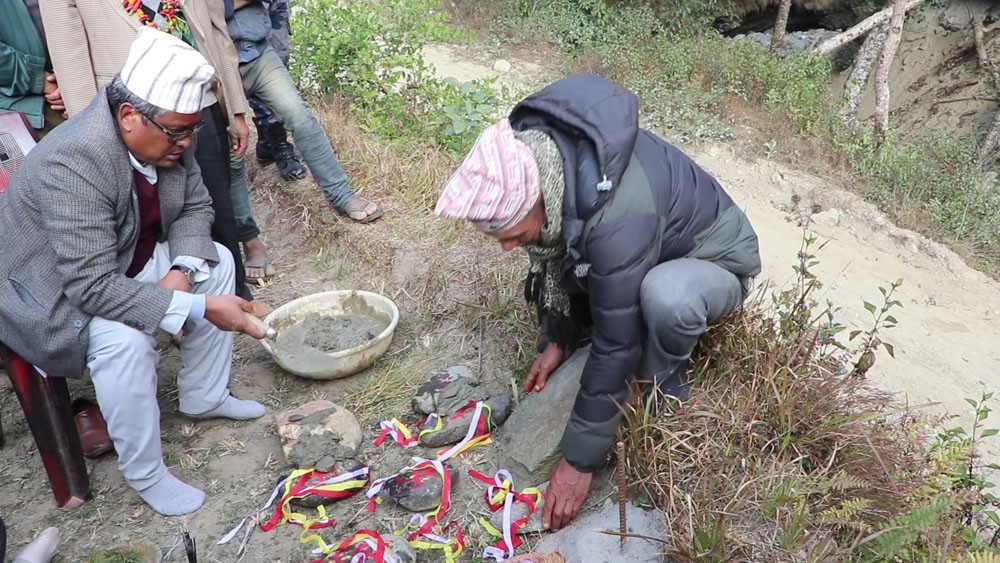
pixel 500 494
pixel 304 482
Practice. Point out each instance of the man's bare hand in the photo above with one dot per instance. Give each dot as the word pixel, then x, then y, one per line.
pixel 52 93
pixel 229 312
pixel 239 138
pixel 545 364
pixel 568 489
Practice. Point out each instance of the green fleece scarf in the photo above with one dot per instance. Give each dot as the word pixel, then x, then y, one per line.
pixel 544 287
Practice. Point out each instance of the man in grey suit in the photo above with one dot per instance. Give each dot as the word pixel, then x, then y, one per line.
pixel 107 236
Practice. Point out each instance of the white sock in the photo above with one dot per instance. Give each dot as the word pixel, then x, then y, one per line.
pixel 236 409
pixel 172 497
pixel 42 549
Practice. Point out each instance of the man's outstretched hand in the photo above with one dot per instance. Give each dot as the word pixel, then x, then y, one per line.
pixel 568 489
pixel 552 357
pixel 230 312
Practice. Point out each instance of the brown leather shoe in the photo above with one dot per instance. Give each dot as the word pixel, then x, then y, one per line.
pixel 91 428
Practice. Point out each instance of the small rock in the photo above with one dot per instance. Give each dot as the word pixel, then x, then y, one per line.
pixel 417 491
pixel 341 467
pixel 321 429
pixel 501 66
pixel 453 430
pixel 830 218
pixel 400 549
pixel 447 391
pixel 519 510
pixel 326 464
pixel 529 441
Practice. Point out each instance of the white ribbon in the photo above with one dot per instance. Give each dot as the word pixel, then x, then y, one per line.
pixel 232 533
pixel 493 552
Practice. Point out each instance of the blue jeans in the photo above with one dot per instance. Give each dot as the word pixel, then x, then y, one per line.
pixel 267 79
pixel 262 114
pixel 246 226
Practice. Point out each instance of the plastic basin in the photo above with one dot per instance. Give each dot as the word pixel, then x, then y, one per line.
pixel 316 364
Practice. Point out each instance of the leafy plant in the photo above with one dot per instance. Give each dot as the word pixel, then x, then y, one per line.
pixel 881 320
pixel 372 53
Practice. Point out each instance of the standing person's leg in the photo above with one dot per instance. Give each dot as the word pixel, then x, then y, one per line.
pixel 679 299
pixel 256 264
pixel 272 142
pixel 268 79
pixel 212 153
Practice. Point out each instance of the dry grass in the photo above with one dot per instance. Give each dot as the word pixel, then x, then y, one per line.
pixel 779 456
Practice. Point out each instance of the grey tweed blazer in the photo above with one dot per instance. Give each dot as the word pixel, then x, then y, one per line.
pixel 69 223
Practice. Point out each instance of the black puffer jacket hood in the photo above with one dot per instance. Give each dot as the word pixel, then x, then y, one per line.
pixel 593 108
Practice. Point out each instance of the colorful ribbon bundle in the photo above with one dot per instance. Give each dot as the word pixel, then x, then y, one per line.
pixel 423 536
pixel 398 431
pixel 362 547
pixel 306 482
pixel 477 434
pixel 368 545
pixel 500 494
pixel 300 484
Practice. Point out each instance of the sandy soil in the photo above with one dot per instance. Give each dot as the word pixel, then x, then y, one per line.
pixel 947 343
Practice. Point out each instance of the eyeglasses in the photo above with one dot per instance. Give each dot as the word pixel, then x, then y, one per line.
pixel 174 135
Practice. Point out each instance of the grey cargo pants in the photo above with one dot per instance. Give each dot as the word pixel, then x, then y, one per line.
pixel 679 299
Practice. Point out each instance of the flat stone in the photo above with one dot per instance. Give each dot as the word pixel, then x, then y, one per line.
pixel 453 430
pixel 318 430
pixel 519 510
pixel 339 468
pixel 583 539
pixel 829 218
pixel 529 441
pixel 447 391
pixel 501 66
pixel 417 491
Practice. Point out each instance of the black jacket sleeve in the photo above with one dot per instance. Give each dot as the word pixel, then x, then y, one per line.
pixel 621 252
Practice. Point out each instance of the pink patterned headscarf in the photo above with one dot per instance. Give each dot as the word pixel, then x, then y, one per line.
pixel 496 185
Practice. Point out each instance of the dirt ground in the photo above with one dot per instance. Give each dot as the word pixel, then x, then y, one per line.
pixel 946 343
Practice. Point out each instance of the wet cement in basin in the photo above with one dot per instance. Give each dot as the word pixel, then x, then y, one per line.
pixel 330 333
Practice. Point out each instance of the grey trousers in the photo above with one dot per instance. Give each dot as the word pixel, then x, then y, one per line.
pixel 679 299
pixel 123 364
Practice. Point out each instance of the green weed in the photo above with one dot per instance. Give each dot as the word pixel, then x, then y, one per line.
pixel 371 53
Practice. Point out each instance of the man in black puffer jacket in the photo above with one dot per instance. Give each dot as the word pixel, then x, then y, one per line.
pixel 625 234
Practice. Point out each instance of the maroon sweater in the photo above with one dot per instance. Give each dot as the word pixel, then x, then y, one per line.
pixel 149 223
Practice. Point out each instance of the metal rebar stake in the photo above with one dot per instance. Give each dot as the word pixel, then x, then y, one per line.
pixel 622 497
